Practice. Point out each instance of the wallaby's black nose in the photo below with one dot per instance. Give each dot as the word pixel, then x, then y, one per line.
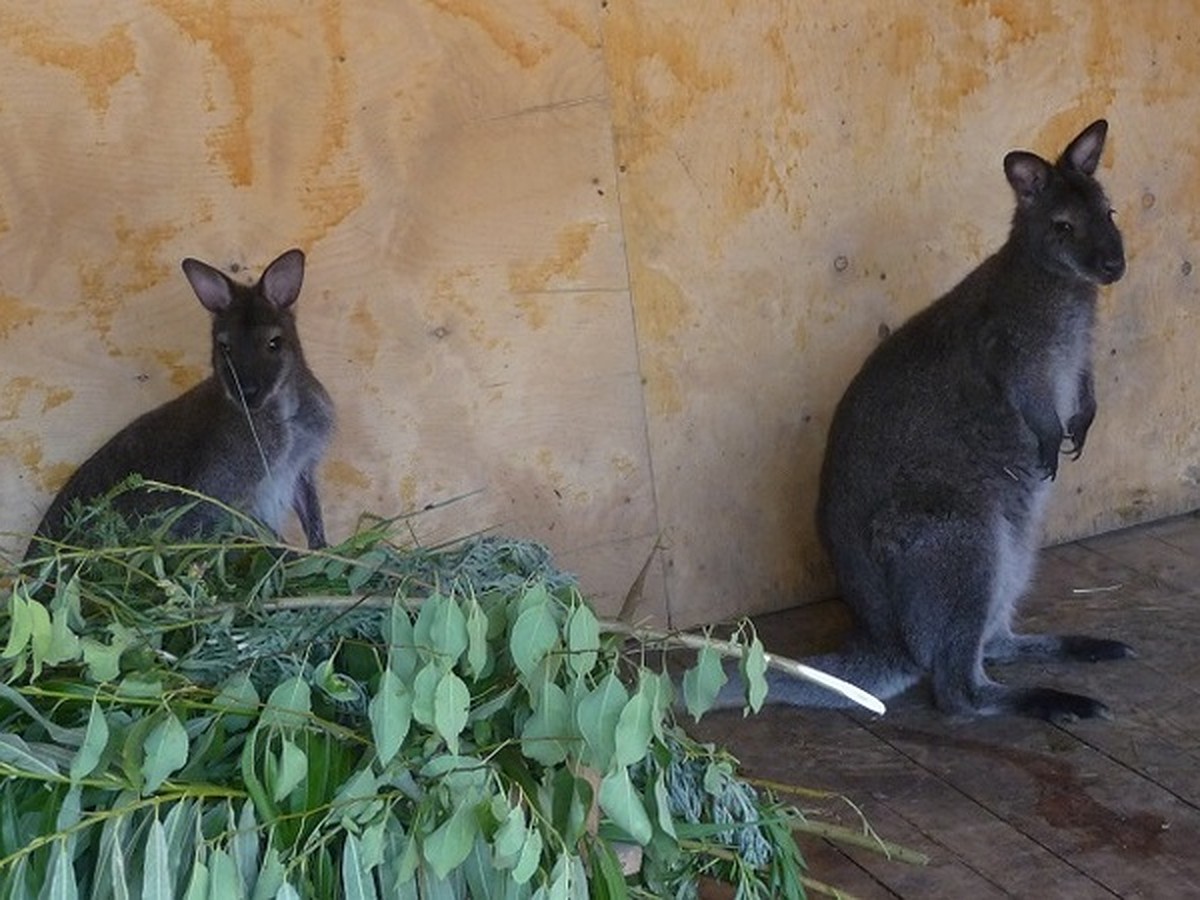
pixel 1112 269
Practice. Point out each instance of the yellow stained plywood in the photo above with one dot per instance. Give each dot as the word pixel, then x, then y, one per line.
pixel 604 268
pixel 448 168
pixel 798 178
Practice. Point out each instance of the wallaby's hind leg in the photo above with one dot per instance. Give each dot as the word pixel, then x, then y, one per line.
pixel 953 596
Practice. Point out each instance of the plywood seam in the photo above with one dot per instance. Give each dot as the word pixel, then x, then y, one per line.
pixel 637 342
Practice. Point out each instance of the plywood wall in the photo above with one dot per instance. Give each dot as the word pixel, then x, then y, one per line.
pixel 602 267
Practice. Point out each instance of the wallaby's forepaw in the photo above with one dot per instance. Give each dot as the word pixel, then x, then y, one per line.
pixel 1048 465
pixel 1090 649
pixel 1074 448
pixel 1077 429
pixel 1058 706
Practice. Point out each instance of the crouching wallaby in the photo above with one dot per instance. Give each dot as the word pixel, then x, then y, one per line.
pixel 250 435
pixel 942 451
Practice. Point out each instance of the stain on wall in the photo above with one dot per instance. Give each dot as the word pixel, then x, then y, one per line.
pixel 594 273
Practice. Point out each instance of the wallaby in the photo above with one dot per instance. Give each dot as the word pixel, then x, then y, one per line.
pixel 941 453
pixel 250 435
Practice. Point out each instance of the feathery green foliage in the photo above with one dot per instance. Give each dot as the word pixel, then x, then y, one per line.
pixel 236 718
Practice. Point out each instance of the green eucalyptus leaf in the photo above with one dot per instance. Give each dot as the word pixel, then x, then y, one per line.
pixel 466 777
pixel 402 651
pixel 95 739
pixel 530 857
pixel 20 623
pixel 357 881
pixel 535 594
pixel 451 702
pixel 478 653
pixel 103 661
pixel 357 800
pixel 547 732
pixel 40 636
pixel 165 752
pixel 450 843
pixel 181 826
pixel 69 737
pixel 156 870
pixel 561 877
pixel 224 881
pixel 237 701
pixel 608 880
pixel 479 872
pixel 662 803
pixel 364 569
pixel 390 714
pixel 64 643
pixel 571 801
pixel 288 706
pixel 754 670
pixel 623 805
pixel 597 715
pixel 425 686
pixel 534 635
pixel 271 878
pixel 441 629
pixel 659 689
pixel 371 843
pixel 510 838
pixel 583 639
pixel 634 730
pixel 16 753
pixel 62 884
pixel 244 844
pixel 140 686
pixel 703 682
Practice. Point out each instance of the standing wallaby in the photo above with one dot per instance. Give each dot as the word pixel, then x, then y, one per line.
pixel 250 435
pixel 941 454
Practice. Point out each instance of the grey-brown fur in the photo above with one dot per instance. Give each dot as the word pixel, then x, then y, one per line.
pixel 203 440
pixel 941 455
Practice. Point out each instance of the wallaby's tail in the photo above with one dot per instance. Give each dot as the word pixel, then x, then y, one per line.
pixel 881 675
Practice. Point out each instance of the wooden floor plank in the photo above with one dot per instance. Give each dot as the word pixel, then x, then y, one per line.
pixel 1016 807
pixel 1125 832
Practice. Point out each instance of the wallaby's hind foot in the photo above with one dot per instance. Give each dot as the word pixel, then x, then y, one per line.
pixel 989 698
pixel 1089 649
pixel 1049 704
pixel 1067 647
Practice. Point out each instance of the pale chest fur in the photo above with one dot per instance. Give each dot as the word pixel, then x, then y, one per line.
pixel 1069 359
pixel 301 444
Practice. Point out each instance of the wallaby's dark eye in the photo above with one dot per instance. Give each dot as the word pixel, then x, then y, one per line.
pixel 274 344
pixel 223 341
pixel 1063 227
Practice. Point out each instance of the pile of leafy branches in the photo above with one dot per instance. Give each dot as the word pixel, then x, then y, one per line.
pixel 236 718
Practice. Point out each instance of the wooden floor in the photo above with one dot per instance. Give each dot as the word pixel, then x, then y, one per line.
pixel 1018 808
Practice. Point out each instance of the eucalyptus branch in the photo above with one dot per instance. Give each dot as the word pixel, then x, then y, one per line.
pixel 729 648
pixel 645 635
pixel 867 840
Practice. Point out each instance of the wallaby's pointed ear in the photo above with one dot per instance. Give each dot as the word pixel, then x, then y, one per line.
pixel 211 287
pixel 282 279
pixel 1083 153
pixel 1028 174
